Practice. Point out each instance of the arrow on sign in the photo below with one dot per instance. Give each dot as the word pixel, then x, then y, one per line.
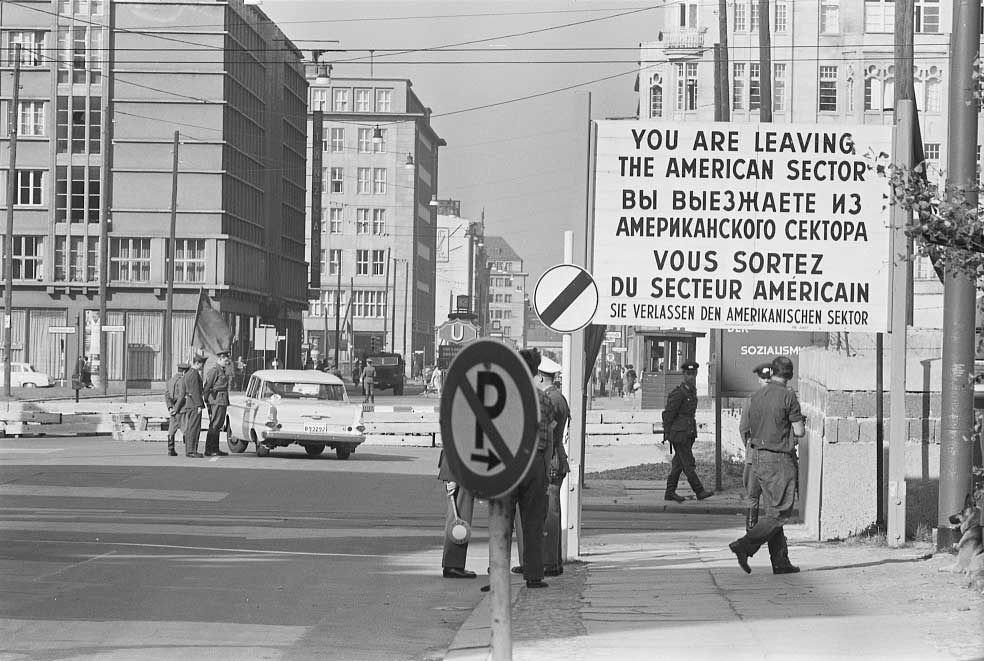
pixel 490 460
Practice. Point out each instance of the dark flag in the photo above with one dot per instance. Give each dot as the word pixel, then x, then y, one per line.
pixel 212 333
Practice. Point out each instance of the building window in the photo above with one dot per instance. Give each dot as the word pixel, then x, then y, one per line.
pixel 754 86
pixel 337 179
pixel 379 146
pixel 30 118
pixel 365 181
pixel 656 97
pixel 384 100
pixel 78 123
pixel 879 15
pixel 77 194
pixel 319 98
pixel 932 151
pixel 379 222
pixel 362 262
pixel 738 86
pixel 507 331
pixel 378 262
pixel 688 14
pixel 362 221
pixel 335 220
pixel 76 259
pixel 687 86
pixel 340 100
pixel 84 7
pixel 782 17
pixel 28 188
pixel 507 298
pixel 28 257
pixel 129 260
pixel 829 16
pixel 779 87
pixel 365 141
pixel 32 44
pixel 79 48
pixel 754 16
pixel 334 262
pixel 927 19
pixel 189 260
pixel 379 181
pixel 827 89
pixel 368 304
pixel 741 20
pixel 363 100
pixel 879 89
pixel 337 139
pixel 929 91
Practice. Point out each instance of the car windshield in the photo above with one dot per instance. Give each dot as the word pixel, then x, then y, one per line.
pixel 387 361
pixel 331 392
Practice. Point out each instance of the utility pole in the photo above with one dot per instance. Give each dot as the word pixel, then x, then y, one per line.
pixel 169 315
pixel 386 289
pixel 393 316
pixel 105 192
pixel 724 80
pixel 406 304
pixel 8 243
pixel 959 290
pixel 765 63
pixel 338 313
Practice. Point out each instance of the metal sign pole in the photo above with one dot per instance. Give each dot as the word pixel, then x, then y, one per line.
pixel 500 640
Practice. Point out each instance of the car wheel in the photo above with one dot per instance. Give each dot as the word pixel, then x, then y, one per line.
pixel 235 445
pixel 343 453
pixel 315 449
pixel 261 450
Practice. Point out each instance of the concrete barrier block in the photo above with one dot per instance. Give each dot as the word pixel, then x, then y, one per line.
pixel 621 429
pixel 867 430
pixel 615 417
pixel 838 403
pixel 848 430
pixel 863 404
pixel 593 417
pixel 830 429
pixel 916 404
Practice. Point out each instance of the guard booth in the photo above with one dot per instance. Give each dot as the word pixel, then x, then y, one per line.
pixel 662 354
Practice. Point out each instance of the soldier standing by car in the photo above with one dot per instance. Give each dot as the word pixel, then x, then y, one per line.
pixel 172 393
pixel 215 392
pixel 190 406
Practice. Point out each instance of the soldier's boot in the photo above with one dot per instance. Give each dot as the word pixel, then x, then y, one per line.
pixel 170 447
pixel 779 554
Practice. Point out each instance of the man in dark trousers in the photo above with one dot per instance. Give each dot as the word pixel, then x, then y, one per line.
pixel 553 560
pixel 368 381
pixel 215 391
pixel 190 406
pixel 453 560
pixel 774 424
pixel 680 429
pixel 174 391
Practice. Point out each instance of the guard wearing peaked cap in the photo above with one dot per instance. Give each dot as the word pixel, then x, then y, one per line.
pixel 172 393
pixel 763 371
pixel 216 393
pixel 680 429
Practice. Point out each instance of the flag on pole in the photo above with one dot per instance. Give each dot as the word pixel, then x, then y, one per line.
pixel 212 334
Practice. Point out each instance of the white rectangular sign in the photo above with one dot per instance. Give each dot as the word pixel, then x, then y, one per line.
pixel 114 329
pixel 719 225
pixel 62 330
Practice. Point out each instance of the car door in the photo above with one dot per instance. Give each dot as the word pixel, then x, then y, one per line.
pixel 251 405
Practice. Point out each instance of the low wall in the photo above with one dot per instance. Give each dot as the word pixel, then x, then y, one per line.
pixel 838 475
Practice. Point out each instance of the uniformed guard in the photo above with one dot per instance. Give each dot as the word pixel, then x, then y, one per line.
pixel 172 393
pixel 461 503
pixel 680 429
pixel 190 406
pixel 774 424
pixel 553 557
pixel 215 391
pixel 752 490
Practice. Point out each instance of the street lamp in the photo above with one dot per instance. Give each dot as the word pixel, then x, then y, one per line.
pixel 377 135
pixel 409 165
pixel 323 70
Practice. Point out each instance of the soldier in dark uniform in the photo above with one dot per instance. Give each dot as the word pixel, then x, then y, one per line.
pixel 553 560
pixel 774 424
pixel 453 560
pixel 680 428
pixel 190 406
pixel 172 393
pixel 215 391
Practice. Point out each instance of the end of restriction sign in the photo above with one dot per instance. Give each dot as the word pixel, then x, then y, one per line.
pixel 489 417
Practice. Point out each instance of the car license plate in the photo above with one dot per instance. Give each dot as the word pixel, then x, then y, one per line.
pixel 315 429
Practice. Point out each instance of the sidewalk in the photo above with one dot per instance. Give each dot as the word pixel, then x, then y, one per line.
pixel 679 594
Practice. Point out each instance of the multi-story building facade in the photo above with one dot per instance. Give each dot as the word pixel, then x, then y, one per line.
pixel 105 84
pixel 462 267
pixel 507 292
pixel 379 226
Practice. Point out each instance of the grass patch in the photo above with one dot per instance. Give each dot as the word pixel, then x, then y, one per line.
pixel 731 473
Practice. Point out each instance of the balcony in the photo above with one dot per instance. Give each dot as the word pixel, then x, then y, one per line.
pixel 682 41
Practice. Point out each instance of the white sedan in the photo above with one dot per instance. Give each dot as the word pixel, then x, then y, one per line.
pixel 23 375
pixel 307 407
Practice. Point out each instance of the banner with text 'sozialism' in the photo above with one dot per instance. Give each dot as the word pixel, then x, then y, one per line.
pixel 719 225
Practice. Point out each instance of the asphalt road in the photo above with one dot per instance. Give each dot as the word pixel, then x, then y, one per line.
pixel 113 550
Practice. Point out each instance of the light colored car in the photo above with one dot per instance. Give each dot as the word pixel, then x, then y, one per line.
pixel 23 375
pixel 307 407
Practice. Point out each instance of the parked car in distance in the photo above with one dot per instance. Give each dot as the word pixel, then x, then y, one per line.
pixel 307 407
pixel 23 375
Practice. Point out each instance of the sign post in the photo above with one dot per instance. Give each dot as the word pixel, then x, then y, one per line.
pixel 489 417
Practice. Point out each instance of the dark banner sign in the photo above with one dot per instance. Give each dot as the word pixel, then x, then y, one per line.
pixel 744 350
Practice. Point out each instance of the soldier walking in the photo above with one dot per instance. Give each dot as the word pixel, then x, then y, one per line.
pixel 172 393
pixel 680 428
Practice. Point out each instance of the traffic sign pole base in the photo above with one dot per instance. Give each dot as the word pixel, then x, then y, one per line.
pixel 500 641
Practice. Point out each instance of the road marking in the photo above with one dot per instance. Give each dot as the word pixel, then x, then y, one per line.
pixel 317 554
pixel 29 450
pixel 109 492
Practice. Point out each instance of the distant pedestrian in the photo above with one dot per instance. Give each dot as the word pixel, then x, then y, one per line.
pixel 774 424
pixel 215 391
pixel 615 386
pixel 630 380
pixel 240 373
pixel 461 504
pixel 190 406
pixel 174 391
pixel 680 429
pixel 84 371
pixel 368 378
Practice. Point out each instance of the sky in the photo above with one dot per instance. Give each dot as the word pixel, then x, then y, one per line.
pixel 520 159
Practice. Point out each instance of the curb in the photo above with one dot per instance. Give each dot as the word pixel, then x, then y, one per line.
pixel 664 509
pixel 471 642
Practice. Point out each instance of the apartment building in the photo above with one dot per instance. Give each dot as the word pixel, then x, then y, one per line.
pixel 105 84
pixel 378 238
pixel 507 292
pixel 462 266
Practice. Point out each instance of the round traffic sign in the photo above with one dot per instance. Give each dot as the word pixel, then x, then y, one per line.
pixel 611 357
pixel 489 418
pixel 565 298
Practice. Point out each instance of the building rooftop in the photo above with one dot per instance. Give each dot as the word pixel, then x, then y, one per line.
pixel 498 250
